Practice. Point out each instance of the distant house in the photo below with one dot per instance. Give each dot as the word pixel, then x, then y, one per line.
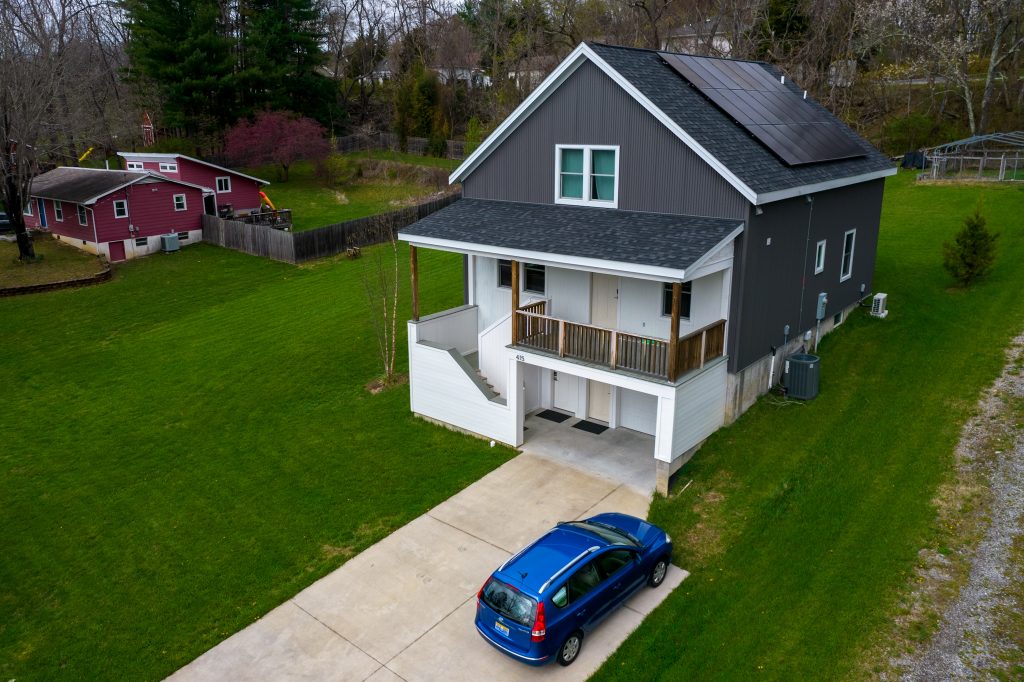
pixel 528 73
pixel 469 76
pixel 117 214
pixel 230 188
pixel 646 241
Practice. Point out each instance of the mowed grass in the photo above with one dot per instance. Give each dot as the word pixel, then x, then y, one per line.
pixel 315 205
pixel 188 446
pixel 804 519
pixel 58 262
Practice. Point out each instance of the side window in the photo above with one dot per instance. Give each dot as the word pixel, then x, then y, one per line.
pixel 684 300
pixel 505 274
pixel 609 563
pixel 583 581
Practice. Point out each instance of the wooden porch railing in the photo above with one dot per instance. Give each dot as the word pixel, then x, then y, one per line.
pixel 616 349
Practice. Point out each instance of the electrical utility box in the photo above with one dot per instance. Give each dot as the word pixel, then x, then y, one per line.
pixel 822 304
pixel 801 376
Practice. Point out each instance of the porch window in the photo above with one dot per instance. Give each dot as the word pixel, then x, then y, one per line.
pixel 121 208
pixel 224 184
pixel 534 278
pixel 83 219
pixel 58 211
pixel 819 258
pixel 587 175
pixel 505 274
pixel 179 202
pixel 847 269
pixel 684 300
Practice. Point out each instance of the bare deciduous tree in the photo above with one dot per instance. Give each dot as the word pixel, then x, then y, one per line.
pixel 380 280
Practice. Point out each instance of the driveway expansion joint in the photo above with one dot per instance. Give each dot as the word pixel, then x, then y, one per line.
pixel 336 633
pixel 466 532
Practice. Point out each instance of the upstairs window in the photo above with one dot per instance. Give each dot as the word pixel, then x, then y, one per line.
pixel 684 300
pixel 533 278
pixel 135 165
pixel 587 175
pixel 819 257
pixel 224 184
pixel 847 269
pixel 505 274
pixel 168 167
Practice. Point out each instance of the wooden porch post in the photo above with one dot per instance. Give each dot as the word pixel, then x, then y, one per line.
pixel 515 301
pixel 673 332
pixel 414 273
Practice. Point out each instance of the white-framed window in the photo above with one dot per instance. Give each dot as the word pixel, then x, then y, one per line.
pixel 684 300
pixel 141 241
pixel 223 184
pixel 58 211
pixel 533 278
pixel 819 257
pixel 28 208
pixel 504 274
pixel 83 219
pixel 121 208
pixel 848 241
pixel 168 166
pixel 179 202
pixel 136 165
pixel 587 175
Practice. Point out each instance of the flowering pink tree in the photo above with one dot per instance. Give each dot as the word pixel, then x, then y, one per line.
pixel 278 137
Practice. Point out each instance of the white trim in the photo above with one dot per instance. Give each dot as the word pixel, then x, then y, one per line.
pixel 842 261
pixel 141 155
pixel 713 251
pixel 27 210
pixel 168 167
pixel 120 201
pixel 569 66
pixel 184 202
pixel 819 256
pixel 58 210
pixel 588 172
pixel 81 211
pixel 135 165
pixel 216 184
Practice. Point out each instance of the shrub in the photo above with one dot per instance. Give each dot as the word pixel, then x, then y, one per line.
pixel 972 252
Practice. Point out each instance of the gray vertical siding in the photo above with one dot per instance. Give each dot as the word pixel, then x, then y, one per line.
pixel 768 279
pixel 657 172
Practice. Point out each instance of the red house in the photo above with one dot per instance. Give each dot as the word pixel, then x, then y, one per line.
pixel 239 191
pixel 118 214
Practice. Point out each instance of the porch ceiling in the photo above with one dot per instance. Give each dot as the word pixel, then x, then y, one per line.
pixel 656 245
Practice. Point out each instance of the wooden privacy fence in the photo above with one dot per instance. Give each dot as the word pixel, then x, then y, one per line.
pixel 617 349
pixel 330 240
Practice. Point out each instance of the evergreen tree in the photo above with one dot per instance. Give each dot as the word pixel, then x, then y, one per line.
pixel 280 55
pixel 183 48
pixel 972 252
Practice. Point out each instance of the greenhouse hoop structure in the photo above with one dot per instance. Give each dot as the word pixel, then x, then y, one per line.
pixel 998 157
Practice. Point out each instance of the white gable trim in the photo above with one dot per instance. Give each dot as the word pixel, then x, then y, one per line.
pixel 568 67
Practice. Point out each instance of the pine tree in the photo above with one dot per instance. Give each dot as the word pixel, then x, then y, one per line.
pixel 972 252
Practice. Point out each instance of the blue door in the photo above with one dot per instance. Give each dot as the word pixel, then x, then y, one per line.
pixel 42 212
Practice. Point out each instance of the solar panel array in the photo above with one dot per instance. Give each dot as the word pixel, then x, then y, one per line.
pixel 778 117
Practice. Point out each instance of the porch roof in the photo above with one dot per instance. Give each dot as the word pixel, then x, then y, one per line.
pixel 654 244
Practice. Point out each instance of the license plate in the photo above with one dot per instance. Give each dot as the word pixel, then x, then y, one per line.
pixel 502 628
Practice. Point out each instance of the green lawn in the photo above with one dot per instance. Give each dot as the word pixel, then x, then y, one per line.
pixel 189 445
pixel 415 159
pixel 58 262
pixel 804 519
pixel 314 204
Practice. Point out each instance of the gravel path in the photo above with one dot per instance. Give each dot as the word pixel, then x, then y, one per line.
pixel 968 643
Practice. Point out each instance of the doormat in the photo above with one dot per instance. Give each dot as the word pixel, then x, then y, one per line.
pixel 590 427
pixel 553 416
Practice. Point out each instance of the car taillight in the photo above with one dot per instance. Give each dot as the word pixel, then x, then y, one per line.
pixel 539 627
pixel 480 594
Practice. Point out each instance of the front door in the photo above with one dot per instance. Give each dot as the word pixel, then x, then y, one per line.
pixel 604 312
pixel 566 391
pixel 42 212
pixel 116 252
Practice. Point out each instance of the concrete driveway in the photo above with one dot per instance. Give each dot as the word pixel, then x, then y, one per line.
pixel 404 608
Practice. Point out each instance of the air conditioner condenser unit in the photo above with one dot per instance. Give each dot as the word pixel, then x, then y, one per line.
pixel 878 305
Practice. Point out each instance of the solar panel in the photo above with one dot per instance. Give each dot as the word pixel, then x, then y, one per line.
pixel 778 117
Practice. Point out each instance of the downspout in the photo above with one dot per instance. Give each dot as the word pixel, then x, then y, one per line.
pixel 803 271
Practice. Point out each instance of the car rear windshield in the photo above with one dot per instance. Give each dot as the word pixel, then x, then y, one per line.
pixel 509 602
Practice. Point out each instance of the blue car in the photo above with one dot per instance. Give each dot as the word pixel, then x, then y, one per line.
pixel 540 604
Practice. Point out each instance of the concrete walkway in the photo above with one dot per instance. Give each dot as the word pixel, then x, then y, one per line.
pixel 404 608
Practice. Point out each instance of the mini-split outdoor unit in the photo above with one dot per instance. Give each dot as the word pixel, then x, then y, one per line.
pixel 170 242
pixel 878 305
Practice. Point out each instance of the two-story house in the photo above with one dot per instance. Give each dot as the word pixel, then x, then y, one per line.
pixel 641 235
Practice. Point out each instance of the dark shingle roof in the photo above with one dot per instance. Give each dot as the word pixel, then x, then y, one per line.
pixel 653 239
pixel 725 139
pixel 78 185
